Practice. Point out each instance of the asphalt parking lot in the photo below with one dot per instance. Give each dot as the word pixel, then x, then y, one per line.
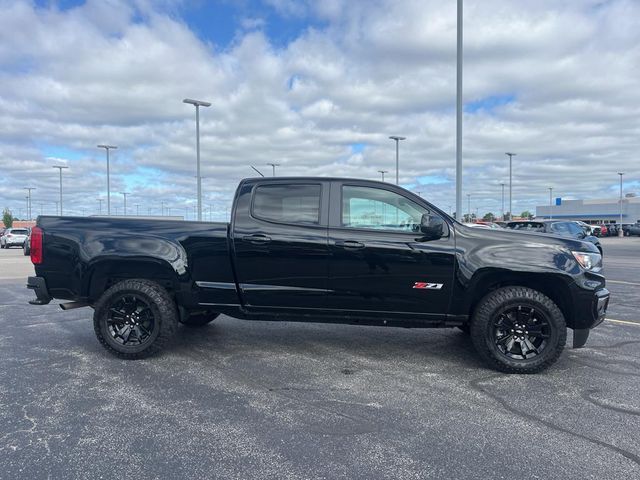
pixel 242 399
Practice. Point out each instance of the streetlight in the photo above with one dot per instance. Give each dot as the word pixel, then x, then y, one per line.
pixel 198 104
pixel 107 148
pixel 100 203
pixel 29 200
pixel 137 209
pixel 382 172
pixel 162 211
pixel 511 155
pixel 124 194
pixel 60 167
pixel 502 201
pixel 459 110
pixel 620 231
pixel 397 140
pixel 550 202
pixel 273 166
pixel 469 205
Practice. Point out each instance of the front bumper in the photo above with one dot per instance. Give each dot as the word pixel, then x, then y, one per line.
pixel 39 286
pixel 591 310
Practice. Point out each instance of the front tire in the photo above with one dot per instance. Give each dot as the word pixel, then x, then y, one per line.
pixel 518 330
pixel 135 318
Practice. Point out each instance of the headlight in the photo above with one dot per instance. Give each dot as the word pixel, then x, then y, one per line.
pixel 588 260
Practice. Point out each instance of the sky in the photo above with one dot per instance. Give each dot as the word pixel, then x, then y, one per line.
pixel 316 87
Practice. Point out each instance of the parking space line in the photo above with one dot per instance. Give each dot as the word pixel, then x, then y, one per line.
pixel 625 322
pixel 624 283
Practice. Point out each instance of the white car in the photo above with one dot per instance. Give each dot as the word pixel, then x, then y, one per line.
pixel 13 237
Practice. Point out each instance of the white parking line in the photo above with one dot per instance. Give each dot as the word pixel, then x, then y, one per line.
pixel 625 322
pixel 624 283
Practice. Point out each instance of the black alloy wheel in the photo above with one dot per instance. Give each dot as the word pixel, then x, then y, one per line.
pixel 521 332
pixel 130 320
pixel 135 318
pixel 518 330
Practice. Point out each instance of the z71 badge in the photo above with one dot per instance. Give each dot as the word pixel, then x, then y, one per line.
pixel 428 286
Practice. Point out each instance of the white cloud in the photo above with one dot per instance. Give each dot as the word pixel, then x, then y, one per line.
pixel 116 72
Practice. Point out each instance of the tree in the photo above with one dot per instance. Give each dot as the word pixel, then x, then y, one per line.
pixel 526 214
pixel 489 217
pixel 7 218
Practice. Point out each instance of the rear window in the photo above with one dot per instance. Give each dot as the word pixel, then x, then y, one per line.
pixel 19 231
pixel 287 203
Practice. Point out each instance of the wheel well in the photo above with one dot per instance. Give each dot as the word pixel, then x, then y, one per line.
pixel 550 285
pixel 108 273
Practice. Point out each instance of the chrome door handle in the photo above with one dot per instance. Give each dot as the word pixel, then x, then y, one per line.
pixel 350 244
pixel 259 238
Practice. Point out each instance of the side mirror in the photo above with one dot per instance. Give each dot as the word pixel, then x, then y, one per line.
pixel 431 226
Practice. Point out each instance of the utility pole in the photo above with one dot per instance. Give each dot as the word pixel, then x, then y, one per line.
pixel 107 148
pixel 60 167
pixel 273 166
pixel 502 201
pixel 469 205
pixel 28 189
pixel 459 111
pixel 620 232
pixel 511 155
pixel 137 209
pixel 124 194
pixel 57 203
pixel 550 203
pixel 397 139
pixel 198 104
pixel 382 172
pixel 100 203
pixel 162 212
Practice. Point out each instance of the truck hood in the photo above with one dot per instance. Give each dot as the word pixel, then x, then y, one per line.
pixel 524 239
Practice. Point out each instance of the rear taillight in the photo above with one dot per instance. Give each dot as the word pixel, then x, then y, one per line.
pixel 9 235
pixel 36 246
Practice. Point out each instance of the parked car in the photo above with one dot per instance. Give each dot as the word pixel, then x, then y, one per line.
pixel 631 229
pixel 26 246
pixel 488 224
pixel 323 250
pixel 13 237
pixel 477 225
pixel 568 229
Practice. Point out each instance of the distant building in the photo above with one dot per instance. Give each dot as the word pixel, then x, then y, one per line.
pixel 593 211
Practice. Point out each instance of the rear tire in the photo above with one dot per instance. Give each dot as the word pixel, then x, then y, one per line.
pixel 135 318
pixel 518 330
pixel 200 319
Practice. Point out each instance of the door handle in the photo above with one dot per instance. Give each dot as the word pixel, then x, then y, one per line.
pixel 259 238
pixel 350 244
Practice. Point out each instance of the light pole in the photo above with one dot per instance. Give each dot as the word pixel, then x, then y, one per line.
pixel 459 111
pixel 502 201
pixel 107 148
pixel 469 206
pixel 100 203
pixel 550 202
pixel 273 166
pixel 162 211
pixel 511 155
pixel 620 232
pixel 29 200
pixel 198 104
pixel 137 209
pixel 382 172
pixel 124 194
pixel 397 139
pixel 57 207
pixel 60 167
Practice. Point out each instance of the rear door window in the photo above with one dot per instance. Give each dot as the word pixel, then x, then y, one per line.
pixel 289 203
pixel 19 231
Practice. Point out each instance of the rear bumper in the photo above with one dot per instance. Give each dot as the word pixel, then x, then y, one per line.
pixel 39 286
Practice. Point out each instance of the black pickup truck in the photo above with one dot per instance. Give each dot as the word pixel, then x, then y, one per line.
pixel 323 250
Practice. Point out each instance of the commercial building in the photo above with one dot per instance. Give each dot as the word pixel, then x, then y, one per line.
pixel 593 211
